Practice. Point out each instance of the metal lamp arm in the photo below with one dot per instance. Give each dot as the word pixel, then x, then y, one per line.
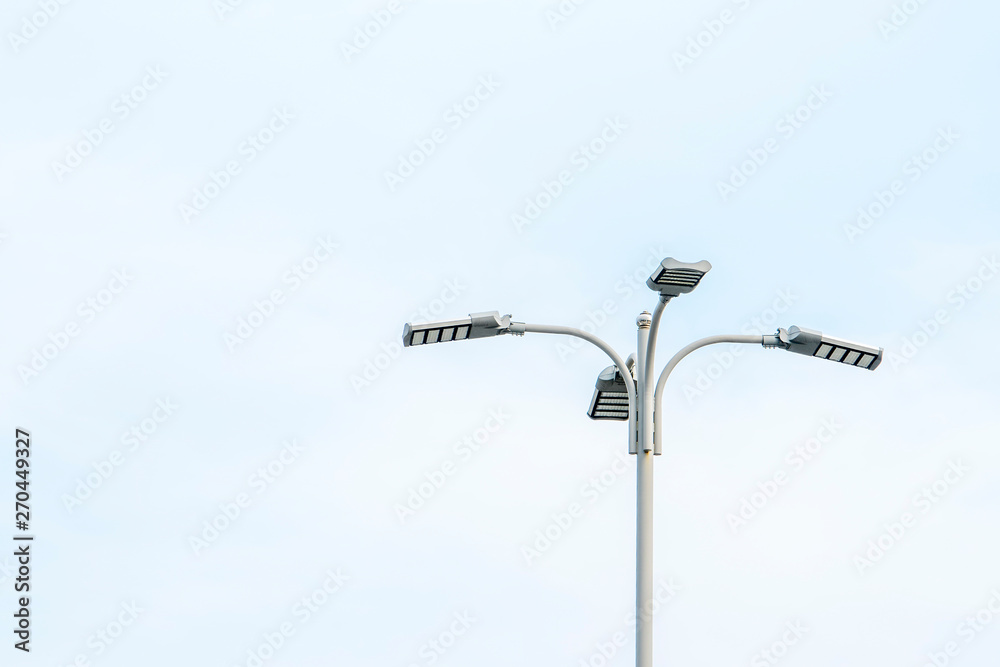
pixel 648 371
pixel 766 341
pixel 610 351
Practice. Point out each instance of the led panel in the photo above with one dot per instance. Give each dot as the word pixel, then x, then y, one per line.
pixel 435 332
pixel 673 278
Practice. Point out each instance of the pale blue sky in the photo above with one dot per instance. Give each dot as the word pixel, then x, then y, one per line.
pixel 312 198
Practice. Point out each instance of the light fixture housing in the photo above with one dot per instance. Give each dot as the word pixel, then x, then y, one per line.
pixel 610 400
pixel 476 325
pixel 673 278
pixel 816 344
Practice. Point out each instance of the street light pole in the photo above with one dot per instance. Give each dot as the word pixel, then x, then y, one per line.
pixel 640 443
pixel 645 400
pixel 644 499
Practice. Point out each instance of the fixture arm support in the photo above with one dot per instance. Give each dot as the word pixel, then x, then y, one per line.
pixel 619 362
pixel 766 341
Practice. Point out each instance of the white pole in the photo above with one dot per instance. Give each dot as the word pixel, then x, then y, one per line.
pixel 644 508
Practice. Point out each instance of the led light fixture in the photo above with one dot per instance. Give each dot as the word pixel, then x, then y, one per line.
pixel 477 325
pixel 610 399
pixel 673 278
pixel 816 344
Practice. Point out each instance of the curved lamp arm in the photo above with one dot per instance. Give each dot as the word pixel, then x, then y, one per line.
pixel 646 437
pixel 622 367
pixel 766 341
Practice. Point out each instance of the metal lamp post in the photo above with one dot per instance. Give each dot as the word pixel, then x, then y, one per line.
pixel 625 391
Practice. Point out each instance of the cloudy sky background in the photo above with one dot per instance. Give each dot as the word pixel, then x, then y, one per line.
pixel 373 422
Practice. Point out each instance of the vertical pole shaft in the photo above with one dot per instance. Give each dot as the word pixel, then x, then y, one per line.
pixel 644 507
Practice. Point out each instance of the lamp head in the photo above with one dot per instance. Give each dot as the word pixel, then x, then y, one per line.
pixel 672 278
pixel 476 325
pixel 816 344
pixel 610 400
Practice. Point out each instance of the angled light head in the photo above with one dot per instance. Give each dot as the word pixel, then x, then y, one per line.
pixel 610 399
pixel 477 325
pixel 672 278
pixel 816 344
